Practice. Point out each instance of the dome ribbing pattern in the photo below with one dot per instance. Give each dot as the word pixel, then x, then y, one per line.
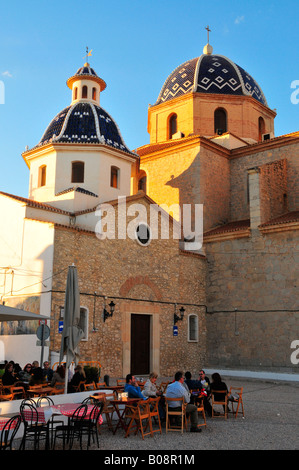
pixel 210 74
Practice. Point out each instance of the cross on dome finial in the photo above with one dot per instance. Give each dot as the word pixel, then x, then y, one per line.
pixel 208 31
pixel 208 48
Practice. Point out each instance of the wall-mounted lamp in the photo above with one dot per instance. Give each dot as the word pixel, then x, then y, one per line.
pixel 176 318
pixel 106 314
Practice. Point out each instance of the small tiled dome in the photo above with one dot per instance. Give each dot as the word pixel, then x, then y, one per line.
pixel 86 123
pixel 86 72
pixel 210 73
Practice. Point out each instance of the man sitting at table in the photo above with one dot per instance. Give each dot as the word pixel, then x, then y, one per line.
pixel 132 389
pixel 177 390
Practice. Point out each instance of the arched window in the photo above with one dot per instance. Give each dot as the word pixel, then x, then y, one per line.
pixel 172 125
pixel 261 128
pixel 77 172
pixel 192 328
pixel 75 93
pixel 94 93
pixel 142 184
pixel 114 177
pixel 84 91
pixel 42 175
pixel 220 121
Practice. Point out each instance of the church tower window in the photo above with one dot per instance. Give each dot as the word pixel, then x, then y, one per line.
pixel 75 93
pixel 261 128
pixel 142 184
pixel 84 91
pixel 114 178
pixel 94 93
pixel 220 121
pixel 77 172
pixel 172 125
pixel 42 175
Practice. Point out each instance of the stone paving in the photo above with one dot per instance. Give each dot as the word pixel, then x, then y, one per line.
pixel 271 423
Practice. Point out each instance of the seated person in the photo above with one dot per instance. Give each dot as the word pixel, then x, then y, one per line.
pixel 25 374
pixel 47 371
pixel 132 389
pixel 58 379
pixel 177 390
pixel 192 384
pixel 218 384
pixel 37 377
pixel 79 376
pixel 205 381
pixel 150 390
pixel 8 378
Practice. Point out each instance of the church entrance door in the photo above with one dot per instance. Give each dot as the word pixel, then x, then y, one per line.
pixel 140 344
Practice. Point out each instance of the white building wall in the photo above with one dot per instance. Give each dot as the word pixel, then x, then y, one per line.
pixel 26 269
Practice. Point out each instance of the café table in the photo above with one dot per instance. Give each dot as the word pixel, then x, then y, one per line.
pixel 44 413
pixel 39 391
pixel 3 421
pixel 114 388
pixel 121 412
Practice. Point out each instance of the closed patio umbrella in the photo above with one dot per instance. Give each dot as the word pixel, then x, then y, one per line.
pixel 71 333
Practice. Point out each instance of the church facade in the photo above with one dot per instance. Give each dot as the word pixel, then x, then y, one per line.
pixel 233 303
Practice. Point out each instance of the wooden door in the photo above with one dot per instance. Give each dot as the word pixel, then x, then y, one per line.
pixel 140 344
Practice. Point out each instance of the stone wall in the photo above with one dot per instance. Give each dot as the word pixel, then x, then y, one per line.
pixel 252 287
pixel 146 280
pixel 239 167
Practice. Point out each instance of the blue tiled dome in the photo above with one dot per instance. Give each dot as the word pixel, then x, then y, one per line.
pixel 210 73
pixel 84 123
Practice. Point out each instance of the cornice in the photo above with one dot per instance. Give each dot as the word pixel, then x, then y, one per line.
pixel 276 228
pixel 288 139
pixel 42 150
pixel 162 149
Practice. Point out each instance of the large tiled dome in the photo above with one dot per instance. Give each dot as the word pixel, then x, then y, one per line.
pixel 210 73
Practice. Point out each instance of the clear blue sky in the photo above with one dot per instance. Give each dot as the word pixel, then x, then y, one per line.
pixel 135 45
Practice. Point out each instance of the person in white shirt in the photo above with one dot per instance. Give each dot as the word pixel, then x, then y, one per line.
pixel 176 390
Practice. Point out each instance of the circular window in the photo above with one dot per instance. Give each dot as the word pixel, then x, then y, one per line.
pixel 143 234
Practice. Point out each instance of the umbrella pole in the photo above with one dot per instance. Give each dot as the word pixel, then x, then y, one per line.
pixel 66 380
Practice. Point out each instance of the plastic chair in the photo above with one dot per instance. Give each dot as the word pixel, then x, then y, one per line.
pixel 176 419
pixel 236 399
pixel 9 432
pixel 219 397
